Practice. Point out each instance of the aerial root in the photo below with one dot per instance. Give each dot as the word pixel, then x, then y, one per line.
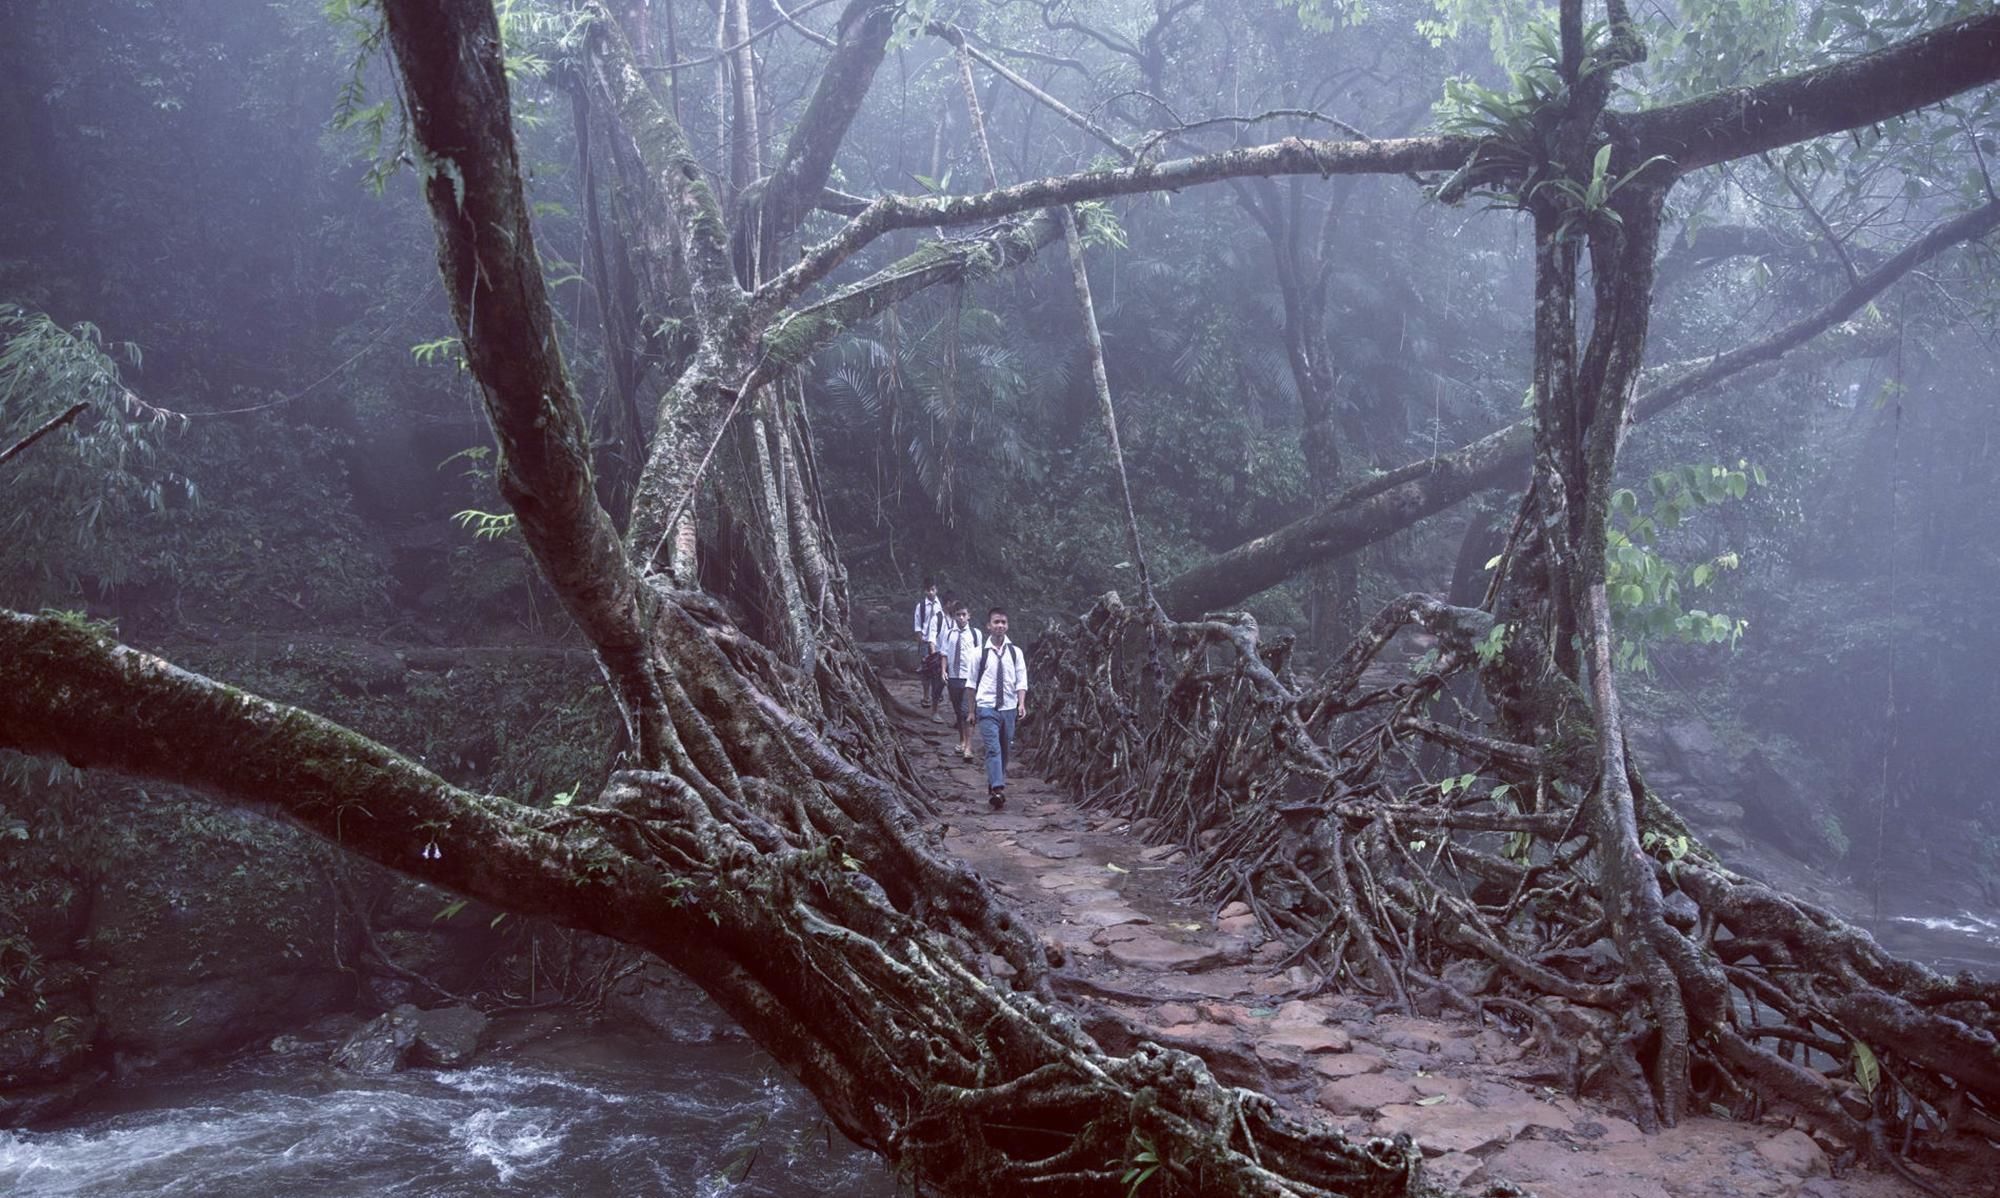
pixel 1390 846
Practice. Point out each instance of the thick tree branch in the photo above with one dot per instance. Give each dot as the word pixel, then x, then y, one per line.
pixel 796 335
pixel 662 148
pixel 1742 121
pixel 1292 156
pixel 70 692
pixel 1917 71
pixel 1389 503
pixel 793 187
pixel 456 85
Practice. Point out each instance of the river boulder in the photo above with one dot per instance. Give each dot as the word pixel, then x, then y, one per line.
pixel 445 1038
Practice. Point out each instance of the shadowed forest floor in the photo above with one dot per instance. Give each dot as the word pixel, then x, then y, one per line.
pixel 1488 1110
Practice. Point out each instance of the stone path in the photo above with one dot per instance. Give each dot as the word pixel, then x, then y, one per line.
pixel 1208 982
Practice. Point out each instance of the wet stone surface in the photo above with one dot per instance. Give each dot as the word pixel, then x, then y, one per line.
pixel 1207 982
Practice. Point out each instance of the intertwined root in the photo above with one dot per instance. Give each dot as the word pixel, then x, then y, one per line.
pixel 1406 849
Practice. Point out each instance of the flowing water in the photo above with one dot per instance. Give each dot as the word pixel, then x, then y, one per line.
pixel 1964 940
pixel 589 1113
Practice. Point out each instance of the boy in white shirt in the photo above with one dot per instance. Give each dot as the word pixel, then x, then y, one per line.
pixel 999 687
pixel 928 623
pixel 961 649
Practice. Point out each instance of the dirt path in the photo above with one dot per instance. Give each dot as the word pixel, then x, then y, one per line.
pixel 1482 1108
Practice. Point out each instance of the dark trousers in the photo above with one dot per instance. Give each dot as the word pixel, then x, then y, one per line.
pixel 959 698
pixel 996 730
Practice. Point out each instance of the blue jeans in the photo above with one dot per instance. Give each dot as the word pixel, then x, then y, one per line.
pixel 996 732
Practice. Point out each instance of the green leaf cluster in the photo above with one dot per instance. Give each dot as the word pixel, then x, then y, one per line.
pixel 1648 591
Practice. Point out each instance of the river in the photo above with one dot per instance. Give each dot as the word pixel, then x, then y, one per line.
pixel 588 1112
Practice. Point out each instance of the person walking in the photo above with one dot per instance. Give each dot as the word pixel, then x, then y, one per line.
pixel 928 625
pixel 937 662
pixel 961 649
pixel 999 687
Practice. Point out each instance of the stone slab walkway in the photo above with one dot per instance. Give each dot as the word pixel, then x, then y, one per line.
pixel 1209 983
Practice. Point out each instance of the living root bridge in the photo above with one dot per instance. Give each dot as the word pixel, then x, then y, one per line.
pixel 1426 859
pixel 779 878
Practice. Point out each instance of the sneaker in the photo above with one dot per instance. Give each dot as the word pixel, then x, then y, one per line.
pixel 997 796
pixel 937 717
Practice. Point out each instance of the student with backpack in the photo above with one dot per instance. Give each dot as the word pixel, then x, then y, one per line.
pixel 961 649
pixel 999 687
pixel 928 623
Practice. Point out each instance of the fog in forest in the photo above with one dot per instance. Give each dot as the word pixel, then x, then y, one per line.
pixel 1494 501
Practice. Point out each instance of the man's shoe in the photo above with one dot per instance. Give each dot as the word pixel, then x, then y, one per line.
pixel 997 795
pixel 937 717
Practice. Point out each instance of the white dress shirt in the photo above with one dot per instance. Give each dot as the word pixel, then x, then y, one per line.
pixel 960 649
pixel 1002 677
pixel 925 620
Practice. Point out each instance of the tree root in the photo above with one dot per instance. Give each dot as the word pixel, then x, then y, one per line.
pixel 1305 799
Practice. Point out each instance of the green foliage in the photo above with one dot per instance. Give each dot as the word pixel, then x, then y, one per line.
pixel 67 492
pixel 444 349
pixel 1867 1071
pixel 486 526
pixel 1325 16
pixel 1647 590
pixel 911 17
pixel 1098 225
pixel 1140 1166
pixel 379 127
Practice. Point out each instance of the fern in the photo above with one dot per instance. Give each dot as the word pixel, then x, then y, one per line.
pixel 486 526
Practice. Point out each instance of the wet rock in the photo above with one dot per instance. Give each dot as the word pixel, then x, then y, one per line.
pixel 448 1037
pixel 382 1045
pixel 1451 1169
pixel 1549 1167
pixel 1476 1121
pixel 1108 915
pixel 1469 977
pixel 1366 1093
pixel 25 1106
pixel 445 1038
pixel 1308 1039
pixel 1347 1064
pixel 1793 1151
pixel 1786 809
pixel 1090 896
pixel 1117 933
pixel 1055 848
pixel 663 1000
pixel 1238 925
pixel 213 928
pixel 1693 748
pixel 1708 812
pixel 1147 951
